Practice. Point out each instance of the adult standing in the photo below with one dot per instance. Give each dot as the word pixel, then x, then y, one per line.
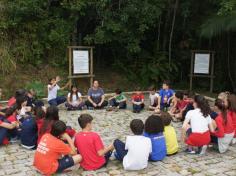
pixel 53 87
pixel 96 97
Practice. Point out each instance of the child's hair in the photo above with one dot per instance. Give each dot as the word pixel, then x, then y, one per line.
pixel 152 88
pixel 223 95
pixel 50 117
pixel 49 80
pixel 20 92
pixel 221 106
pixel 84 119
pixel 166 118
pixel 118 91
pixel 39 113
pixel 154 125
pixel 167 82
pixel 179 95
pixel 232 102
pixel 71 92
pixel 137 126
pixel 20 100
pixel 58 128
pixel 203 105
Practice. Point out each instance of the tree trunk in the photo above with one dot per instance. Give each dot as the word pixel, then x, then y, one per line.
pixel 172 31
pixel 228 62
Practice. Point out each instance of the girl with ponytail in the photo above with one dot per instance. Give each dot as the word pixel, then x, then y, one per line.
pixel 197 126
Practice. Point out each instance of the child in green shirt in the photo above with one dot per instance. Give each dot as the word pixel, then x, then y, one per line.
pixel 118 101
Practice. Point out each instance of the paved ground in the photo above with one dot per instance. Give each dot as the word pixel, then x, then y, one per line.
pixel 111 125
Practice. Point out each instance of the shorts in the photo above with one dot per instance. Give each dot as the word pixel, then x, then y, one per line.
pixel 65 163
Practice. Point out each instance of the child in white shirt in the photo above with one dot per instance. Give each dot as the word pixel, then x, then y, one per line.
pixel 135 152
pixel 197 126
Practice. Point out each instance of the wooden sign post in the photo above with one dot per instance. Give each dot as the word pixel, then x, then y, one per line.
pixel 80 63
pixel 202 65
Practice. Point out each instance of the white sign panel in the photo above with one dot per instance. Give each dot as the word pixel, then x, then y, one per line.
pixel 80 62
pixel 202 63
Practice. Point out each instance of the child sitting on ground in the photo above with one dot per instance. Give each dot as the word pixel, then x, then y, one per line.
pixel 224 127
pixel 53 88
pixel 74 99
pixel 232 110
pixel 154 129
pixel 5 126
pixel 90 145
pixel 52 115
pixel 179 105
pixel 153 97
pixel 137 101
pixel 196 126
pixel 28 127
pixel 135 152
pixel 166 96
pixel 117 101
pixel 39 113
pixel 52 154
pixel 31 99
pixel 170 135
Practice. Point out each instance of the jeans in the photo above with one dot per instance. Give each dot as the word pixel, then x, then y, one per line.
pixel 120 149
pixel 138 108
pixel 3 134
pixel 113 102
pixel 57 101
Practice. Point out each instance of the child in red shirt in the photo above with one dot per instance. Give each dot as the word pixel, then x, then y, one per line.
pixel 6 127
pixel 232 111
pixel 179 105
pixel 90 145
pixel 137 101
pixel 52 154
pixel 224 127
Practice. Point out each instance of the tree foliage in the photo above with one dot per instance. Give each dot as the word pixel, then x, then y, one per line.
pixel 150 40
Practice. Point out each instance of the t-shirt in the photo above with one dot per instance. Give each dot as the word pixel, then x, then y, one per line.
pixel 166 93
pixel 139 148
pixel 137 97
pixel 223 128
pixel 181 104
pixel 52 93
pixel 233 114
pixel 153 98
pixel 120 97
pixel 158 146
pixel 198 123
pixel 28 133
pixel 171 140
pixel 11 101
pixel 96 95
pixel 49 150
pixel 88 144
pixel 74 98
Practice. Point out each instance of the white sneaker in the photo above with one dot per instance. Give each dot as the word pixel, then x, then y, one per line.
pixel 202 150
pixel 233 141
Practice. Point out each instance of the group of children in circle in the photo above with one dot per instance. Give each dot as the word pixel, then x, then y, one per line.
pixel 59 147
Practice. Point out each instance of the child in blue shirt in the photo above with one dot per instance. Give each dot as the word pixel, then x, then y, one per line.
pixel 154 129
pixel 165 96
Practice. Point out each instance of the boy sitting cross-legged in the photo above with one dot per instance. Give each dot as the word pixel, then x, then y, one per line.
pixel 90 145
pixel 135 152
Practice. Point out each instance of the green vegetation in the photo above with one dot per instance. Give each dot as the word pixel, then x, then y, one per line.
pixel 144 41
